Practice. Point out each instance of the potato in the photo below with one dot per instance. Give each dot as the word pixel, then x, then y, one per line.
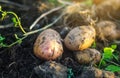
pixel 80 38
pixel 92 72
pixel 48 45
pixel 51 69
pixel 88 56
pixel 107 30
pixel 108 74
pixel 108 9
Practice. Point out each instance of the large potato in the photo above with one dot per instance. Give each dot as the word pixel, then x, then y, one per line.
pixel 48 45
pixel 80 38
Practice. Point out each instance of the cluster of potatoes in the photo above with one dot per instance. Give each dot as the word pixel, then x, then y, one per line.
pixel 49 44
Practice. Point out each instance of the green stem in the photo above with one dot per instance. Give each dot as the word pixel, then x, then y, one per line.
pixel 16 41
pixel 101 61
pixel 19 23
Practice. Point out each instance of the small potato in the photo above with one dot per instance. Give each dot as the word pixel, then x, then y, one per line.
pixel 48 45
pixel 80 38
pixel 92 72
pixel 88 56
pixel 108 74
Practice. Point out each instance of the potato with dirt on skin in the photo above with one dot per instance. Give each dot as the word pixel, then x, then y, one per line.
pixel 107 9
pixel 88 56
pixel 80 38
pixel 107 30
pixel 48 45
pixel 92 72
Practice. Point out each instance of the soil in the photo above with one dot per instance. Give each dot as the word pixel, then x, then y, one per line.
pixel 19 61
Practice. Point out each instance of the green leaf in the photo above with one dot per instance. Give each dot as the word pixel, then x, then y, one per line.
pixel 94 45
pixel 2 38
pixel 0 8
pixel 103 63
pixel 116 57
pixel 108 49
pixel 14 20
pixel 108 52
pixel 114 46
pixel 113 68
pixel 3 45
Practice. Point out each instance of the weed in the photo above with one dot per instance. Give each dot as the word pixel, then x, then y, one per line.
pixel 107 57
pixel 15 18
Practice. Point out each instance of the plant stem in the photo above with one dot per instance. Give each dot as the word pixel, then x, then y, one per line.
pixel 45 14
pixel 19 23
pixel 101 61
pixel 16 42
pixel 45 27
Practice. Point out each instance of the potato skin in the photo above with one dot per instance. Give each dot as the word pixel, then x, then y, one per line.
pixel 92 72
pixel 80 38
pixel 107 9
pixel 107 31
pixel 48 45
pixel 88 56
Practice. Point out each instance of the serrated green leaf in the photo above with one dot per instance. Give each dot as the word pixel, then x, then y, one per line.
pixel 114 46
pixel 113 68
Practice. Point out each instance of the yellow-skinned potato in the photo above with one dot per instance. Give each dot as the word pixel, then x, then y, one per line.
pixel 80 38
pixel 48 45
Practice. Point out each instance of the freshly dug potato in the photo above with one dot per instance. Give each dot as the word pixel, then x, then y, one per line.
pixel 88 56
pixel 92 72
pixel 48 45
pixel 80 38
pixel 108 74
pixel 107 9
pixel 107 30
pixel 51 69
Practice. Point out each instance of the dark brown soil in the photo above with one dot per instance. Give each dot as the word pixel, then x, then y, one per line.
pixel 19 61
